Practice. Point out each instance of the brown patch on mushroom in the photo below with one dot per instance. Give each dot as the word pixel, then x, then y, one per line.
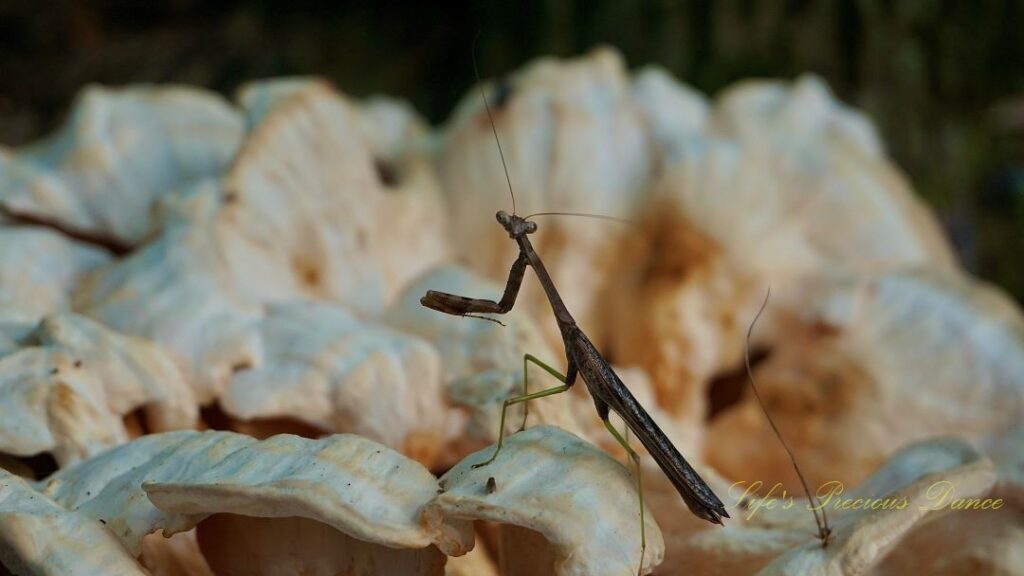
pixel 423 446
pixel 135 423
pixel 387 172
pixel 728 387
pixel 308 272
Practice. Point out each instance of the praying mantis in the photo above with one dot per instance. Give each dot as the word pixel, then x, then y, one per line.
pixel 583 360
pixel 607 390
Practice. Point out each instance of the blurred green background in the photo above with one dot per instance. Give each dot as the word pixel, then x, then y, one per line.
pixel 944 81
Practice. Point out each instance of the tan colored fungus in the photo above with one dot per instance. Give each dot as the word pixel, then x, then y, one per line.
pixel 308 188
pixel 301 213
pixel 67 386
pixel 581 501
pixel 324 367
pixel 177 555
pixel 738 210
pixel 39 538
pixel 38 270
pixel 476 562
pixel 986 536
pixel 119 151
pixel 180 291
pixel 768 537
pixel 864 365
pixel 355 485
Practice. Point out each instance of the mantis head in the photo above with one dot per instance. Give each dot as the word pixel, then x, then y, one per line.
pixel 515 225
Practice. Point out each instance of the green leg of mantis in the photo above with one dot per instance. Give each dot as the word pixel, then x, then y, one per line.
pixel 526 388
pixel 639 489
pixel 524 398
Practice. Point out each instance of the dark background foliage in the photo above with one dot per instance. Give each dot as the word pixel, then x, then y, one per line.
pixel 944 81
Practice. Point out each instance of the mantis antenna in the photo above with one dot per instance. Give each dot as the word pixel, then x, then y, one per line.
pixel 824 531
pixel 598 216
pixel 490 117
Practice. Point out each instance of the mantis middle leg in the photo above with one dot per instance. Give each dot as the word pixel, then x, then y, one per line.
pixel 567 382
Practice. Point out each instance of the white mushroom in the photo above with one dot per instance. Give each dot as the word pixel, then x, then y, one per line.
pixel 776 535
pixel 677 115
pixel 39 538
pixel 358 487
pixel 14 329
pixel 67 388
pixel 38 270
pixel 573 510
pixel 798 115
pixel 180 291
pixel 120 150
pixel 974 540
pixel 307 188
pixel 328 369
pixel 301 213
pixel 863 365
pixel 734 215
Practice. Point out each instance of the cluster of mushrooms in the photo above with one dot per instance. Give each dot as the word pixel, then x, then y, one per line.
pixel 213 358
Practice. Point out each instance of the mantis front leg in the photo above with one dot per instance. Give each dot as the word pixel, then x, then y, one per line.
pixel 464 306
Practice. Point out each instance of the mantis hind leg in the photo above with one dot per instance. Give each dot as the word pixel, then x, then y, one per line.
pixel 639 484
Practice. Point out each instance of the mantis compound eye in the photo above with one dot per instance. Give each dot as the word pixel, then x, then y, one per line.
pixel 530 227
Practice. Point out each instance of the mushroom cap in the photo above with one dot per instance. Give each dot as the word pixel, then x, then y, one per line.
pixel 180 292
pixel 39 538
pixel 324 367
pixel 800 114
pixel 119 151
pixel 134 372
pixel 483 395
pixel 301 213
pixel 307 188
pixel 172 481
pixel 676 115
pixel 66 385
pixel 867 521
pixel 865 364
pixel 863 537
pixel 583 502
pixel 986 540
pixel 38 270
pixel 784 183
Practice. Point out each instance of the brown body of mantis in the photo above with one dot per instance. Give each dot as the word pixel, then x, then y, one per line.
pixel 605 387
